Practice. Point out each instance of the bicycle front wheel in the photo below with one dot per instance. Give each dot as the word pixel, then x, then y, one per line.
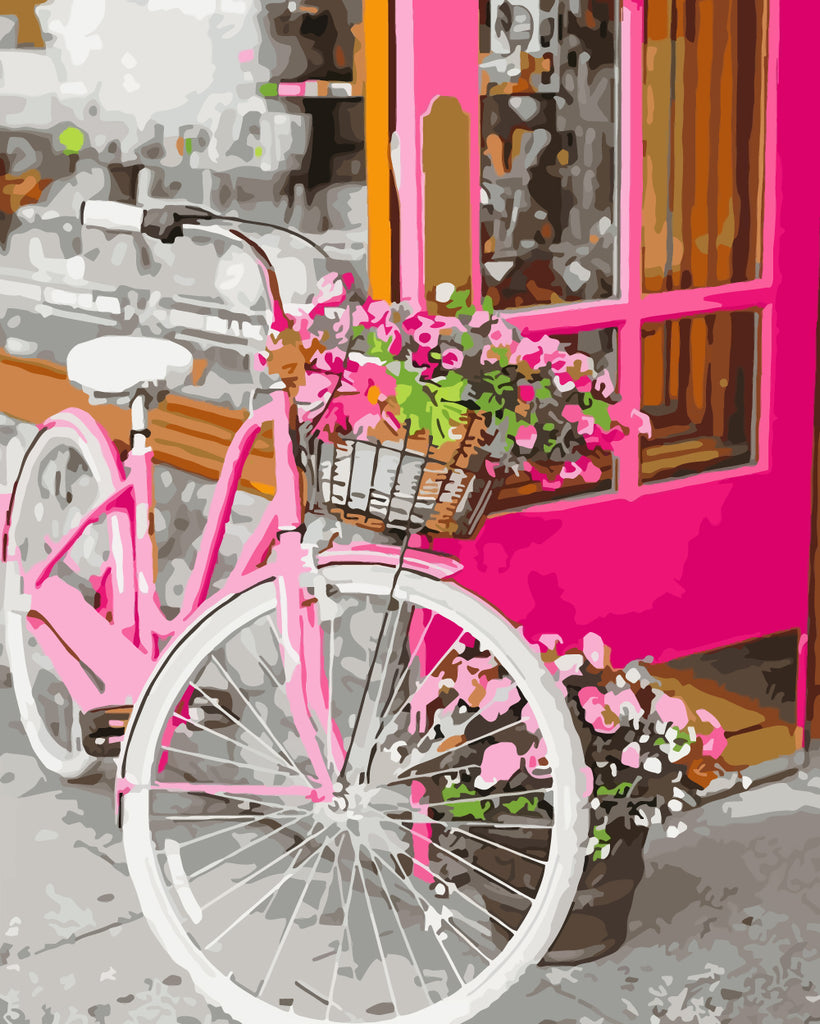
pixel 445 858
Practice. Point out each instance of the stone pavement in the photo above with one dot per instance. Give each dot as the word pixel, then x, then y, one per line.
pixel 725 927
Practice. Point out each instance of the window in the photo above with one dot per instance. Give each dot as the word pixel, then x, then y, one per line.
pixel 548 159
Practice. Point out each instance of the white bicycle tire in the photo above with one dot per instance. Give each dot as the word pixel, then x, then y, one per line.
pixel 66 432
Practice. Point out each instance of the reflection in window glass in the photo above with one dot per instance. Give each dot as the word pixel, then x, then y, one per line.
pixel 699 390
pixel 548 81
pixel 704 73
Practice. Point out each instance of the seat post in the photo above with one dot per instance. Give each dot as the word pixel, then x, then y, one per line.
pixel 139 423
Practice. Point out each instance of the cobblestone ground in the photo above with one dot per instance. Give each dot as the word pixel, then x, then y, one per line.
pixel 725 927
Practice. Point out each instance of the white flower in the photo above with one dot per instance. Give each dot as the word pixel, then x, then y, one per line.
pixel 653 765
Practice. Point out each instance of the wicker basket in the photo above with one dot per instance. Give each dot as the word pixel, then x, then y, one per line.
pixel 405 485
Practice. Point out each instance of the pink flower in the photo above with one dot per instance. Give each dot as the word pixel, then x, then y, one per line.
pixel 605 711
pixel 544 479
pixel 671 710
pixel 535 350
pixel 500 762
pixel 332 291
pixel 594 650
pixel 525 436
pixel 526 392
pixel 452 358
pixel 604 384
pixel 598 714
pixel 714 742
pixel 501 335
pixel 372 313
pixel 631 757
pixel 582 467
pixel 644 424
pixel 479 318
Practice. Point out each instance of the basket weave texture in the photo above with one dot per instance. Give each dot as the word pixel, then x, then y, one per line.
pixel 404 484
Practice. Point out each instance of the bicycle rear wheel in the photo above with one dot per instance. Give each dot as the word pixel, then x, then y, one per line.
pixel 445 861
pixel 65 473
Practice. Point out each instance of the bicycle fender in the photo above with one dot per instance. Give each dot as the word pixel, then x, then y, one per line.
pixel 428 563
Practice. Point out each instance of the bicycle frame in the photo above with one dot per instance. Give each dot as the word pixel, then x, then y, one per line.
pixel 122 645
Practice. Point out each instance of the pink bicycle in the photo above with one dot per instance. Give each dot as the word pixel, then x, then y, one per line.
pixel 311 817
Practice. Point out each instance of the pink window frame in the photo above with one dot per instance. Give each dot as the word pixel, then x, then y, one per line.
pixel 741 536
pixel 442 60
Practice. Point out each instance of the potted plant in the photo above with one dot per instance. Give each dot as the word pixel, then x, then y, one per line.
pixel 456 401
pixel 648 754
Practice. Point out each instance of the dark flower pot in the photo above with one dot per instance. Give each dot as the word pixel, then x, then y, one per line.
pixel 599 917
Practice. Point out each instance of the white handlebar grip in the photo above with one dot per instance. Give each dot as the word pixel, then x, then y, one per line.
pixel 111 216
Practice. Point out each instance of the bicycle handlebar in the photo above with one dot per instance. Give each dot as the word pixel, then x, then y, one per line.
pixel 111 216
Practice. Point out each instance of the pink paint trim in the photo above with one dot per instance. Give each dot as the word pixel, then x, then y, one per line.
pixel 802 705
pixel 438 566
pixel 409 161
pixel 220 510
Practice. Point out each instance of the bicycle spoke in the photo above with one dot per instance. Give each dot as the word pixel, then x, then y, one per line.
pixel 474 824
pixel 232 683
pixel 240 791
pixel 245 818
pixel 254 842
pixel 400 930
pixel 427 910
pixel 292 918
pixel 256 874
pixel 464 743
pixel 223 760
pixel 264 746
pixel 345 927
pixel 221 736
pixel 268 670
pixel 483 839
pixel 375 720
pixel 429 775
pixel 376 933
pixel 475 867
pixel 456 890
pixel 400 682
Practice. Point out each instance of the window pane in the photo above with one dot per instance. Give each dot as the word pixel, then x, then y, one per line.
pixel 704 73
pixel 700 392
pixel 548 81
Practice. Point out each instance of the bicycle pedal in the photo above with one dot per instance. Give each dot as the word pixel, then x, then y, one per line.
pixel 103 730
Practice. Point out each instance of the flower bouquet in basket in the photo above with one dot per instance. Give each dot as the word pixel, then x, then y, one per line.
pixel 415 417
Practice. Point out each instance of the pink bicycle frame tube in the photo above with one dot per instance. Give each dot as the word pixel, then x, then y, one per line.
pixel 283 512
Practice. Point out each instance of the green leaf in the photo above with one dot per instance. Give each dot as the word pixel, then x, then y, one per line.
pixel 459 301
pixel 471 809
pixel 522 803
pixel 620 790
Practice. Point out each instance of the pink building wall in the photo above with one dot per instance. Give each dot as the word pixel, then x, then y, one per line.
pixel 674 567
